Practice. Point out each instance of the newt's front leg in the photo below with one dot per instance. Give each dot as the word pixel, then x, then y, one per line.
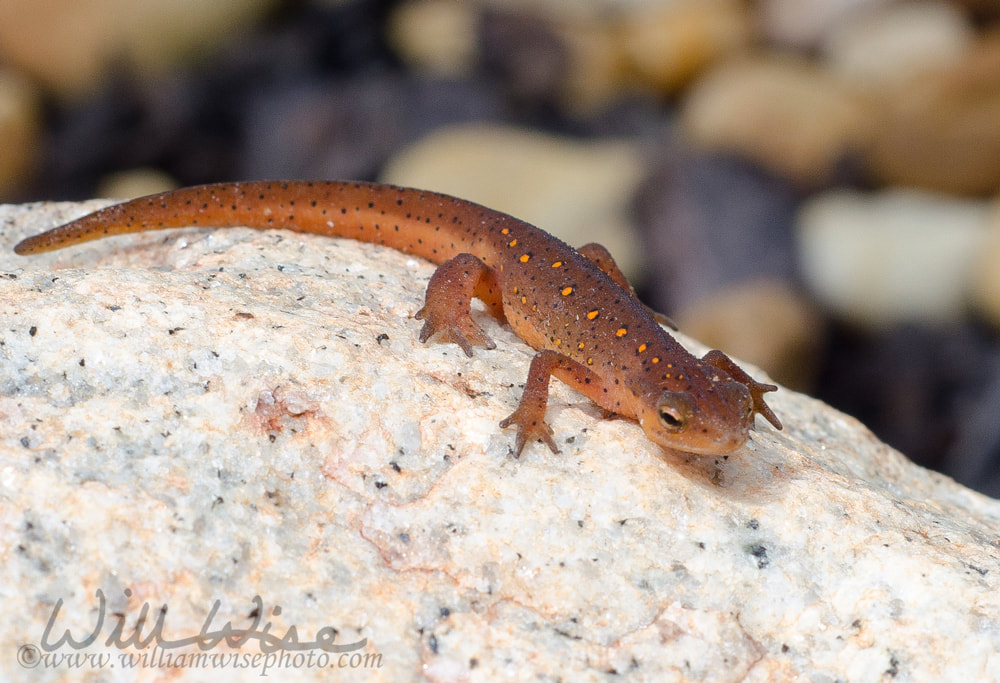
pixel 529 418
pixel 449 295
pixel 757 389
pixel 601 257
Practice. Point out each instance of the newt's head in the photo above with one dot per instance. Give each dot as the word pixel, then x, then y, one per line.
pixel 712 422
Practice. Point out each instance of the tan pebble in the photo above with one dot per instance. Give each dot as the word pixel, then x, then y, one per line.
pixel 941 131
pixel 668 44
pixel 19 130
pixel 985 289
pixel 597 67
pixel 69 45
pixel 784 113
pixel 137 182
pixel 438 36
pixel 765 322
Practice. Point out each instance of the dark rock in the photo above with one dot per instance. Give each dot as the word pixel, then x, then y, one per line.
pixel 348 128
pixel 973 458
pixel 918 388
pixel 711 221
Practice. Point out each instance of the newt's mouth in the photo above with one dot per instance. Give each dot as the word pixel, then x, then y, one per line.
pixel 719 447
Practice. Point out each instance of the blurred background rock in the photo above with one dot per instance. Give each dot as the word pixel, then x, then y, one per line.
pixel 811 185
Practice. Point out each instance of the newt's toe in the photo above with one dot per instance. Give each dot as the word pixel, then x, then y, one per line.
pixel 757 391
pixel 459 328
pixel 528 428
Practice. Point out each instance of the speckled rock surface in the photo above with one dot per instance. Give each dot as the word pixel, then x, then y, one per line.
pixel 199 416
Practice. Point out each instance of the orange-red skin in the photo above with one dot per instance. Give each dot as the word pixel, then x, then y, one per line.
pixel 553 297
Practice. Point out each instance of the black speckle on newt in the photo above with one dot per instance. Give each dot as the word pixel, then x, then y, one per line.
pixel 573 306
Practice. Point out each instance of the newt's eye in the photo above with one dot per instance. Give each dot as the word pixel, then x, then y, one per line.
pixel 671 418
pixel 674 410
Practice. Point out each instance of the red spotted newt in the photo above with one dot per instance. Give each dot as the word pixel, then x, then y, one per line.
pixel 575 307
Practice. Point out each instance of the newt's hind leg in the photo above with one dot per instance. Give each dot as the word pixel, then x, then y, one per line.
pixel 449 294
pixel 529 418
pixel 757 389
pixel 601 257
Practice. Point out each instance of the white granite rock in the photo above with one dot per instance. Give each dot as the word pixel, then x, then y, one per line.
pixel 198 416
